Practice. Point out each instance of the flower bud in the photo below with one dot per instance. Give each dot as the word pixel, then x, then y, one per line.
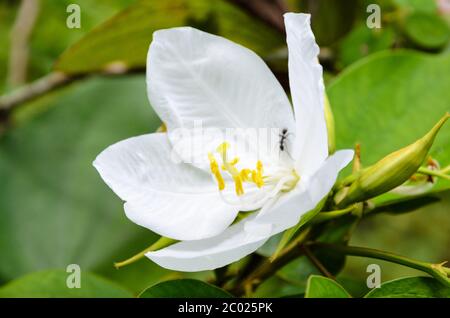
pixel 391 171
pixel 329 119
pixel 419 183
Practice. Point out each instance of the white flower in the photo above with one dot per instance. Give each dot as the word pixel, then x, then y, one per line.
pixel 191 76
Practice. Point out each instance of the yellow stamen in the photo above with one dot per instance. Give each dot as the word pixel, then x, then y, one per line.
pixel 232 162
pixel 216 172
pixel 257 175
pixel 227 165
pixel 259 166
pixel 238 185
pixel 257 179
pixel 223 147
pixel 244 175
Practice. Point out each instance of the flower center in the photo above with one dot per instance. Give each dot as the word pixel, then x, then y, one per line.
pixel 280 179
pixel 254 176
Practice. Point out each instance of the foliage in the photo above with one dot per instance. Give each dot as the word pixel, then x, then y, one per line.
pixel 52 283
pixel 184 288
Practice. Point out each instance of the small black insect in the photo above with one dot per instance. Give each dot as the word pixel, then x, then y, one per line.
pixel 283 137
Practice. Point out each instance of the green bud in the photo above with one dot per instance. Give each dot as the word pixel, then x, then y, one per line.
pixel 329 118
pixel 390 172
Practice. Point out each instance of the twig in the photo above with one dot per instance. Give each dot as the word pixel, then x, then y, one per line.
pixel 429 172
pixel 254 261
pixel 220 276
pixel 269 267
pixel 49 83
pixel 20 35
pixel 316 262
pixel 269 11
pixel 265 271
pixel 446 169
pixel 438 271
pixel 35 89
pixel 331 215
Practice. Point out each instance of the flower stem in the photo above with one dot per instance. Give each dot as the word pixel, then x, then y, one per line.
pixel 316 262
pixel 438 271
pixel 326 216
pixel 434 173
pixel 247 284
pixel 446 170
pixel 159 244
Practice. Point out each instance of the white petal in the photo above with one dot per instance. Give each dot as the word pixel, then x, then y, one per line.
pixel 307 90
pixel 228 247
pixel 174 200
pixel 248 235
pixel 288 210
pixel 194 76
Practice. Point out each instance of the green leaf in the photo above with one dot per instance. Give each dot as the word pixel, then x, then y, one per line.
pixel 297 272
pixel 388 97
pixel 55 208
pixel 122 42
pixel 411 287
pixel 51 284
pixel 363 41
pixel 184 288
pixel 427 30
pixel 276 287
pixel 323 287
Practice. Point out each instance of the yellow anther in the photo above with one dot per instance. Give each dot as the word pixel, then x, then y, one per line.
pixel 223 147
pixel 257 175
pixel 212 162
pixel 257 178
pixel 238 185
pixel 228 165
pixel 216 172
pixel 245 174
pixel 232 162
pixel 259 166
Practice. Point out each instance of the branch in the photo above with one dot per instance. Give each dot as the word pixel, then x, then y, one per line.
pixel 316 262
pixel 20 35
pixel 269 267
pixel 35 89
pixel 266 270
pixel 434 173
pixel 49 83
pixel 438 271
pixel 331 215
pixel 270 11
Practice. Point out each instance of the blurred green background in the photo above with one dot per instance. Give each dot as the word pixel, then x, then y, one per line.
pixel 387 86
